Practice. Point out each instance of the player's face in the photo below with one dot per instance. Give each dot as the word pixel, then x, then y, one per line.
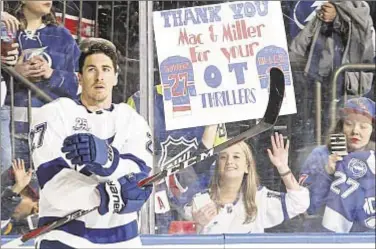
pixel 358 130
pixel 97 79
pixel 232 163
pixel 39 7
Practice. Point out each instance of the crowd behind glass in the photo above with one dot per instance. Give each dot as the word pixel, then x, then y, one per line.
pixel 280 181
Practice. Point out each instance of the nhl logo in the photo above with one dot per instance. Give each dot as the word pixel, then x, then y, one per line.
pixel 175 151
pixel 357 167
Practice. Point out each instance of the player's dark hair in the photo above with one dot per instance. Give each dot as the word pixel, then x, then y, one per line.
pixel 98 48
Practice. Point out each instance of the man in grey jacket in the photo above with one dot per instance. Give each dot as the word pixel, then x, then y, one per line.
pixel 340 33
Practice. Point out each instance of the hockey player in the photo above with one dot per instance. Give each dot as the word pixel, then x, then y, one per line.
pixel 351 202
pixel 90 153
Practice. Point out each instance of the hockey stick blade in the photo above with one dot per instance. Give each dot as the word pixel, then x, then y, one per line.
pixel 277 91
pixel 46 228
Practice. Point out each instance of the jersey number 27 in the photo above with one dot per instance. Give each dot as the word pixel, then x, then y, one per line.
pixel 341 178
pixel 37 136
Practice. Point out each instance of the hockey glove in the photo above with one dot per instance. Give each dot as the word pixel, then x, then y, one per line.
pixel 123 196
pixel 87 149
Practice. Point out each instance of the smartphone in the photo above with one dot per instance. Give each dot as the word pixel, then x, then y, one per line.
pixel 338 144
pixel 32 221
pixel 200 200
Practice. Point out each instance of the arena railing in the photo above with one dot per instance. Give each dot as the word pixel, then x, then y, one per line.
pixel 359 67
pixel 345 67
pixel 32 88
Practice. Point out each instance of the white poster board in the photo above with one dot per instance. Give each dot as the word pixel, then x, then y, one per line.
pixel 214 62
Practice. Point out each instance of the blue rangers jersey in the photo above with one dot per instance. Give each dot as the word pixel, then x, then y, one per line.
pixel 352 194
pixel 65 188
pixel 178 83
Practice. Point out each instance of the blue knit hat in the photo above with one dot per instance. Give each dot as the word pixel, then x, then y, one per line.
pixel 361 105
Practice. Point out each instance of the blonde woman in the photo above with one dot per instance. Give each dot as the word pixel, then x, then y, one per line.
pixel 238 204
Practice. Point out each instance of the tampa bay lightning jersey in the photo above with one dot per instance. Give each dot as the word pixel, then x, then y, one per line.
pixel 352 194
pixel 316 179
pixel 61 52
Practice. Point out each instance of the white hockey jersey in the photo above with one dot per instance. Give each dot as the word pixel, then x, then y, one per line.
pixel 272 209
pixel 65 188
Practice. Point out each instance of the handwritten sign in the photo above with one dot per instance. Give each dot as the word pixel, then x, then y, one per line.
pixel 214 62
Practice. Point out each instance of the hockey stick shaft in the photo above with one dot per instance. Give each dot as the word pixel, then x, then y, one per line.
pixel 47 228
pixel 277 91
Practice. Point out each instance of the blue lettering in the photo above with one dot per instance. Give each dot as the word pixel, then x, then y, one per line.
pixel 176 16
pixel 249 9
pixel 213 11
pixel 166 15
pixel 202 15
pixel 189 16
pixel 212 76
pixel 237 9
pixel 197 15
pixel 203 100
pixel 250 95
pixel 240 96
pixel 265 10
pixel 238 68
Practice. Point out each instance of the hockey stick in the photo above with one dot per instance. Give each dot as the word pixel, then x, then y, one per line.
pixel 47 228
pixel 277 91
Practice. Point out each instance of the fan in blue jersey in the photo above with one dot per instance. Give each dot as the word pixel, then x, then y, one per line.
pixel 48 58
pixel 317 173
pixel 173 146
pixel 351 200
pixel 91 153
